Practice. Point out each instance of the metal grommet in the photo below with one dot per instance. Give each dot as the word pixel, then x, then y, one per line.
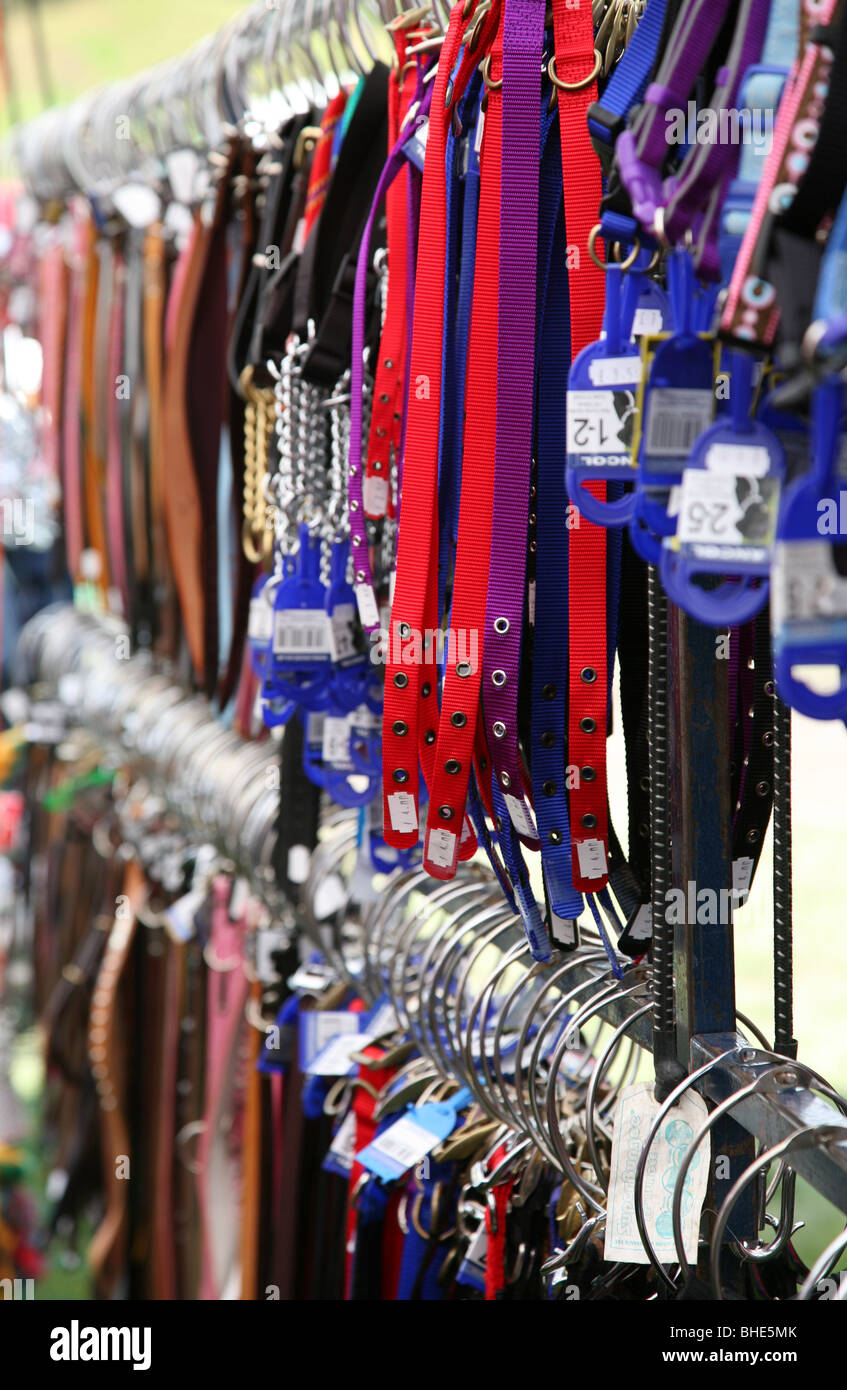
pixel 404 631
pixel 458 720
pixel 549 788
pixel 589 820
pixel 588 675
pixel 498 729
pixel 587 774
pixel 770 688
pixel 463 668
pixel 548 692
pixel 378 462
pixel 429 737
pixel 501 625
pixel 548 740
pixel 644 784
pixel 426 689
pixel 555 837
pixel 446 812
pixel 498 677
pixel 401 680
pixel 400 776
pixel 400 727
pixel 752 836
pixel 505 779
pixel 767 738
pixel 762 788
pixel 498 822
pixel 588 725
pixel 452 766
pixel 583 82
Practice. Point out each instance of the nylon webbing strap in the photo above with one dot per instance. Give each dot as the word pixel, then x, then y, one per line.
pixel 402 715
pixel 587 656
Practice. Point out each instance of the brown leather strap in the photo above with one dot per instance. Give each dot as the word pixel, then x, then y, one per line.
pixel 94 469
pixel 251 1160
pixel 107 1050
pixel 182 508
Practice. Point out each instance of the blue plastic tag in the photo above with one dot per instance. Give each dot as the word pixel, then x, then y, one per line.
pixel 404 1144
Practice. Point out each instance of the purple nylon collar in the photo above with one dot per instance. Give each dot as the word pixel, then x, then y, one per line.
pixel 523 43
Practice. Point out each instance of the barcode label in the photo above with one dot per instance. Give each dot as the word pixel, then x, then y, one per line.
pixel 592 858
pixel 402 813
pixel 675 420
pixel 301 632
pixel 261 620
pixel 405 1143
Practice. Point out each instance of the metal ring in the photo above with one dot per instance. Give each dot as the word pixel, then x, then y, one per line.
pixel 485 69
pixel 575 86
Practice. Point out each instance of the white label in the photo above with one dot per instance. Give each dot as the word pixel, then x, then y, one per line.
pixel 480 126
pixel 336 741
pixel 406 1142
pixel 725 509
pixel 634 1114
pixel 594 425
pixel 299 238
pixel 592 858
pixel 530 602
pixel 521 817
pixel 563 929
pixel 806 585
pixel 642 923
pixel 344 1143
pixel 646 321
pixel 301 632
pixel 750 460
pixel 441 848
pixel 383 1022
pixel 615 371
pixel 182 166
pixel 342 628
pixel 368 611
pixel 402 813
pixel 332 1023
pixel 336 1058
pixel 676 417
pixel 238 899
pixel 742 876
pixel 375 495
pixel 138 204
pixel 261 621
pixel 299 861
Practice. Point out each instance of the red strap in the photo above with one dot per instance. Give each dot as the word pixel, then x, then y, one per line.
pixel 587 660
pixel 363 1106
pixel 495 1225
pixel 418 533
pixel 321 160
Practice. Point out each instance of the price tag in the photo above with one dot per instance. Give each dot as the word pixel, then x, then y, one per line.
pixel 402 813
pixel 336 741
pixel 342 1150
pixel 301 632
pixel 335 1058
pixel 599 422
pixel 441 848
pixel 727 510
pixel 521 816
pixel 319 1027
pixel 634 1115
pixel 375 495
pixel 592 858
pixel 368 611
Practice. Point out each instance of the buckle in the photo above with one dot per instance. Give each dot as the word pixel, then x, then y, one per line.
pixel 306 141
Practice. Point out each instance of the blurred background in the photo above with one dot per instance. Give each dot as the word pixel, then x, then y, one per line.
pixel 53 50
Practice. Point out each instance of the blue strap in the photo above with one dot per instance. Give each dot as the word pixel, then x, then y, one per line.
pixel 510 848
pixel 415 1247
pixel 550 644
pixel 628 83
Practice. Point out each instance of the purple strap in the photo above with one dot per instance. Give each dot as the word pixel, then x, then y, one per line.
pixel 523 42
pixel 363 574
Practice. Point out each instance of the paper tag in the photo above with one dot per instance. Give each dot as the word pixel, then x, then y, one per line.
pixel 261 620
pixel 634 1114
pixel 521 816
pixel 441 848
pixel 342 632
pixel 806 587
pixel 342 1150
pixel 723 509
pixel 599 422
pixel 401 810
pixel 335 1058
pixel 138 204
pixel 615 371
pixel 563 929
pixel 749 460
pixel 646 321
pixel 382 1020
pixel 301 632
pixel 641 926
pixel 336 741
pixel 238 899
pixel 368 611
pixel 182 166
pixel 742 877
pixel 676 417
pixel 530 602
pixel 318 1028
pixel 592 858
pixel 375 495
